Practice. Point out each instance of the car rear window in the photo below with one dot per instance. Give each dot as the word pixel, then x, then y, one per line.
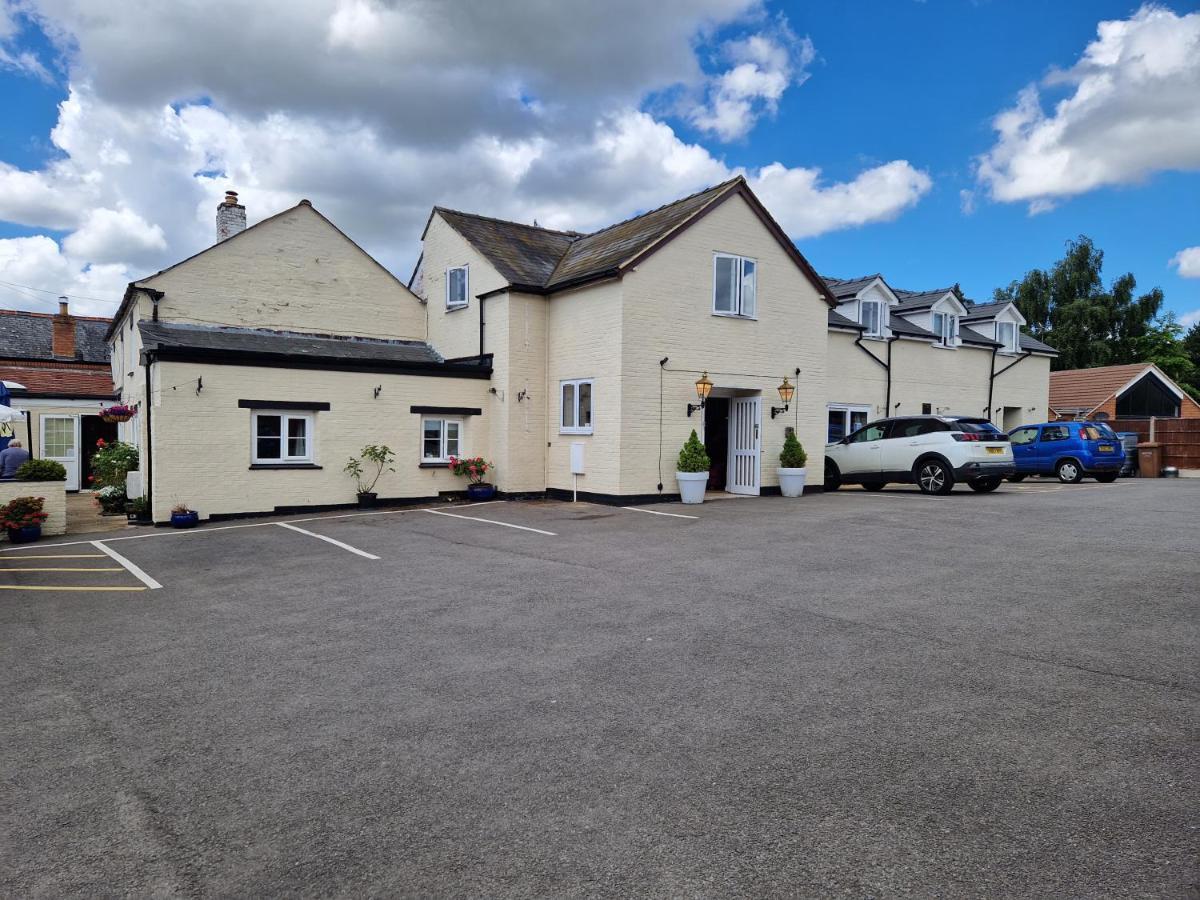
pixel 1090 433
pixel 981 427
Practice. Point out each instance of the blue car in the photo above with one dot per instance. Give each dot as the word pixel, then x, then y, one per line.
pixel 1071 451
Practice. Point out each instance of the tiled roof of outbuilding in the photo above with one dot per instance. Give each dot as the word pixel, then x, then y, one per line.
pixel 1088 388
pixel 29 335
pixel 80 382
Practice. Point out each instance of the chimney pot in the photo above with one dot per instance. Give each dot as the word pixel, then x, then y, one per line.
pixel 62 307
pixel 231 217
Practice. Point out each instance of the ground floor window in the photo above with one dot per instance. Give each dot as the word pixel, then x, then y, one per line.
pixel 440 439
pixel 576 410
pixel 283 437
pixel 845 419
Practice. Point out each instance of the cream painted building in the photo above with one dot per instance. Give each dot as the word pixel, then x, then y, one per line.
pixel 900 352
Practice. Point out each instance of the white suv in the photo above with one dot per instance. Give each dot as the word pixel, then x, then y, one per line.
pixel 931 451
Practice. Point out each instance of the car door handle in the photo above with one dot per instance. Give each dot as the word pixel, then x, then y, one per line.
pixel 913 443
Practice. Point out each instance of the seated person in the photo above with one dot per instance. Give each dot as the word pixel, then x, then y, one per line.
pixel 11 458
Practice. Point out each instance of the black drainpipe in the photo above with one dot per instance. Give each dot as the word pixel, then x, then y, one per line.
pixel 480 299
pixel 992 381
pixel 149 439
pixel 887 367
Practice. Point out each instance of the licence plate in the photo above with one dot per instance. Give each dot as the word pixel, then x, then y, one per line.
pixel 997 450
pixel 1106 448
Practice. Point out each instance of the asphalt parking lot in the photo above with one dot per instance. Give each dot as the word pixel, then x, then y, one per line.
pixel 858 694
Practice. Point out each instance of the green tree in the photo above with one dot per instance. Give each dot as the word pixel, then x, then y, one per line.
pixel 1163 346
pixel 1069 308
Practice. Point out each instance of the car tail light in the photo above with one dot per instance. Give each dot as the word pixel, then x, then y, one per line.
pixel 965 436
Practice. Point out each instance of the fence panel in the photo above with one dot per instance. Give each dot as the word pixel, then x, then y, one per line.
pixel 1180 438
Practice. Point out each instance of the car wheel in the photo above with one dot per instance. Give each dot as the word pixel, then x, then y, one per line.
pixel 1107 478
pixel 1016 478
pixel 934 477
pixel 874 486
pixel 833 478
pixel 1068 472
pixel 983 485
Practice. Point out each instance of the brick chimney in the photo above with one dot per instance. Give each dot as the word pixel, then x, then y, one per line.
pixel 62 339
pixel 231 217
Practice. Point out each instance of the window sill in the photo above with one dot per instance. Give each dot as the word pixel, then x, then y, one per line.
pixel 576 433
pixel 433 465
pixel 285 465
pixel 943 347
pixel 455 307
pixel 728 315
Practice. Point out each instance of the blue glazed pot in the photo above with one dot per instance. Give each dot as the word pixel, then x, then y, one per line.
pixel 185 520
pixel 481 491
pixel 25 535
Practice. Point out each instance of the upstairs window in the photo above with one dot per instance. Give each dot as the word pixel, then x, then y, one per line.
pixel 576 413
pixel 945 326
pixel 456 287
pixel 872 317
pixel 1006 334
pixel 735 286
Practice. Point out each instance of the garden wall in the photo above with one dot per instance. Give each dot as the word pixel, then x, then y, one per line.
pixel 55 493
pixel 1180 438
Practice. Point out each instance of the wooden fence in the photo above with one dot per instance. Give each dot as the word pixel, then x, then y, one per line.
pixel 1180 438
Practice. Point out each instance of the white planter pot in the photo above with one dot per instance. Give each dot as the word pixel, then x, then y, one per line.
pixel 691 486
pixel 791 481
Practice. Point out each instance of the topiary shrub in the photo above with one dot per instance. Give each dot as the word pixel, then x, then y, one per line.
pixel 792 455
pixel 41 470
pixel 693 457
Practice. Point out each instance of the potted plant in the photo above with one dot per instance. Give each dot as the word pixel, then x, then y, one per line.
pixel 118 412
pixel 692 474
pixel 23 518
pixel 366 471
pixel 41 470
pixel 137 511
pixel 475 468
pixel 182 517
pixel 791 466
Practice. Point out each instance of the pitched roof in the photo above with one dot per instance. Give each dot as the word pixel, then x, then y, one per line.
pixel 29 335
pixel 911 301
pixel 971 336
pixel 525 254
pixel 984 310
pixel 837 320
pixel 1088 388
pixel 61 380
pixel 160 335
pixel 849 287
pixel 902 326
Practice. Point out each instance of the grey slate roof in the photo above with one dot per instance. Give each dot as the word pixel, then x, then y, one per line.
pixel 911 301
pixel 971 336
pixel 848 287
pixel 837 320
pixel 976 311
pixel 160 335
pixel 1034 345
pixel 904 327
pixel 523 254
pixel 28 335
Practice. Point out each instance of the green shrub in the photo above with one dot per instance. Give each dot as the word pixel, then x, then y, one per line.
pixel 112 462
pixel 111 500
pixel 377 458
pixel 793 455
pixel 693 457
pixel 41 470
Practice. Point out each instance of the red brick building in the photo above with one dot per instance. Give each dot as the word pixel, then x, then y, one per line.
pixel 1135 391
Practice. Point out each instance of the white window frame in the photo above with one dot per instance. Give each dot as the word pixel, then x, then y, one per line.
pixel 948 334
pixel 862 316
pixel 466 270
pixel 738 311
pixel 284 416
pixel 1013 346
pixel 846 409
pixel 443 450
pixel 577 428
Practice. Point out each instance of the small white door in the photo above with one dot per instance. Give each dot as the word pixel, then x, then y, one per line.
pixel 745 445
pixel 60 442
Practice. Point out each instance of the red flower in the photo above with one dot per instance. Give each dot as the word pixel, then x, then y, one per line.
pixel 101 443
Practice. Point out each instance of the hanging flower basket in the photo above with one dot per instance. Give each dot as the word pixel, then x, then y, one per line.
pixel 118 413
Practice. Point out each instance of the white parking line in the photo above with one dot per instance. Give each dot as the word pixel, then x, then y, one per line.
pixel 438 512
pixel 133 570
pixel 329 540
pixel 655 512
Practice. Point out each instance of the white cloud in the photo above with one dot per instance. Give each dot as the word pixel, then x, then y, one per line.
pixel 39 263
pixel 1187 320
pixel 1187 261
pixel 763 65
pixel 11 56
pixel 375 112
pixel 966 202
pixel 1133 111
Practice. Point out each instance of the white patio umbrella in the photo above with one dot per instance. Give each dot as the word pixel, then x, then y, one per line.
pixel 8 414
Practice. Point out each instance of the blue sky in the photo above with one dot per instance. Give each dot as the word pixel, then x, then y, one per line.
pixel 868 84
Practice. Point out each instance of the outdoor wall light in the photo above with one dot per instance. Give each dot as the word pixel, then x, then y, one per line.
pixel 703 389
pixel 786 392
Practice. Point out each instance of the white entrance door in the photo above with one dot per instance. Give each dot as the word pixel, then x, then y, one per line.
pixel 744 445
pixel 60 442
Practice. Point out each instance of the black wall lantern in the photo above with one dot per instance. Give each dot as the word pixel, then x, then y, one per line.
pixel 786 391
pixel 703 389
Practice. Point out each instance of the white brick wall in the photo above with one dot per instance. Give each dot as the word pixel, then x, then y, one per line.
pixel 53 492
pixel 456 332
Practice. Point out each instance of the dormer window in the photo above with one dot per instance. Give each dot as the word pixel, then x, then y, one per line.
pixel 945 326
pixel 872 317
pixel 456 287
pixel 1007 335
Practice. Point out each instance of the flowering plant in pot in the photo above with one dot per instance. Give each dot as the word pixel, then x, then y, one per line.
pixel 137 511
pixel 692 470
pixel 475 468
pixel 183 517
pixel 791 471
pixel 118 412
pixel 22 517
pixel 366 471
